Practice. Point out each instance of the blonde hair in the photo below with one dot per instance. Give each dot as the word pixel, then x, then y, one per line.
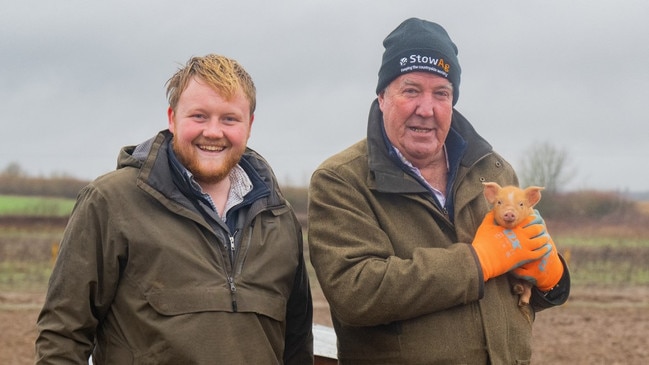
pixel 223 74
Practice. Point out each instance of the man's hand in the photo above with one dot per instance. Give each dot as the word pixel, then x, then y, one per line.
pixel 501 250
pixel 544 273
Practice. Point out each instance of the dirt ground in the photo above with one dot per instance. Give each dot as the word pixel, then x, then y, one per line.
pixel 596 326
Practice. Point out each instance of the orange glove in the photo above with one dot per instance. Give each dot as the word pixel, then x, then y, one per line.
pixel 501 250
pixel 544 273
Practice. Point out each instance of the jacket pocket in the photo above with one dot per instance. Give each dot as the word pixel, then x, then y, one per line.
pixel 255 301
pixel 173 302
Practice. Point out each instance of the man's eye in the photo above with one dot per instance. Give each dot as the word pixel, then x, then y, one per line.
pixel 443 95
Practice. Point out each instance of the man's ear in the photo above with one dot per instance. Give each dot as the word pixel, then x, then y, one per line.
pixel 381 98
pixel 170 117
pixel 252 119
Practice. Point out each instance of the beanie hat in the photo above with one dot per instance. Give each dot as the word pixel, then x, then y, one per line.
pixel 419 45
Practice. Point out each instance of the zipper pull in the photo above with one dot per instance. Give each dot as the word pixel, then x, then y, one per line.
pixel 232 244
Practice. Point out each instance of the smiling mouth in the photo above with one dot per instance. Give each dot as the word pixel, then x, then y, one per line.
pixel 420 130
pixel 210 148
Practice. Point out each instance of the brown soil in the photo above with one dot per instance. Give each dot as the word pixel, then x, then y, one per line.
pixel 596 326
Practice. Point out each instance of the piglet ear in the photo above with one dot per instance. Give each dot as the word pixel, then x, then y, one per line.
pixel 491 190
pixel 533 194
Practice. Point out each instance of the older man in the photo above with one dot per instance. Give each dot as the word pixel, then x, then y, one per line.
pixel 410 272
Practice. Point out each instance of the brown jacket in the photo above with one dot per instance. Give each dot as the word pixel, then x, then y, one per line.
pixel 143 278
pixel 400 275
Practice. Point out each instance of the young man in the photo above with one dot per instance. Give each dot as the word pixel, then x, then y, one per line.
pixel 411 275
pixel 188 253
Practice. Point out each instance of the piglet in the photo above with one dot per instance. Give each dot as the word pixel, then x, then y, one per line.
pixel 511 205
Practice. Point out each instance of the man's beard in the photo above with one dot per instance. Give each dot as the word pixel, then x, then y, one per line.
pixel 186 154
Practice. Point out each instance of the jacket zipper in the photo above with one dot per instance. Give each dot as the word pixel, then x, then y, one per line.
pixel 233 287
pixel 232 248
pixel 233 293
pixel 233 269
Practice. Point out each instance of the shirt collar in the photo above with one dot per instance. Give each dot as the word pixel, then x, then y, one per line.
pixel 438 194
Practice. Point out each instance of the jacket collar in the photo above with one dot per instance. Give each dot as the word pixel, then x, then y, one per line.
pixel 152 159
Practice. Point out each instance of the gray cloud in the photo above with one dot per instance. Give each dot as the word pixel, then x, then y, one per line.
pixel 79 79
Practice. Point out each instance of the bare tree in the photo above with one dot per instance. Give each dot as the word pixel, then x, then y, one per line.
pixel 13 169
pixel 545 165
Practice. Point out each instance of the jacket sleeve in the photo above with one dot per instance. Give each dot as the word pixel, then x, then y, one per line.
pixel 299 317
pixel 366 280
pixel 81 285
pixel 557 296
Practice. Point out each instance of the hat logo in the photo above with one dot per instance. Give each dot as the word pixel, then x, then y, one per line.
pixel 416 62
pixel 427 60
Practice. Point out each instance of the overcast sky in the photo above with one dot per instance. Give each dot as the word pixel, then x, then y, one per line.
pixel 80 79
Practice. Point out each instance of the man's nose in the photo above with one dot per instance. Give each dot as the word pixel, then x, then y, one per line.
pixel 213 129
pixel 426 106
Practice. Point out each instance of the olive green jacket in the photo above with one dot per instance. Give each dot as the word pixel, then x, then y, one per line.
pixel 401 277
pixel 143 278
